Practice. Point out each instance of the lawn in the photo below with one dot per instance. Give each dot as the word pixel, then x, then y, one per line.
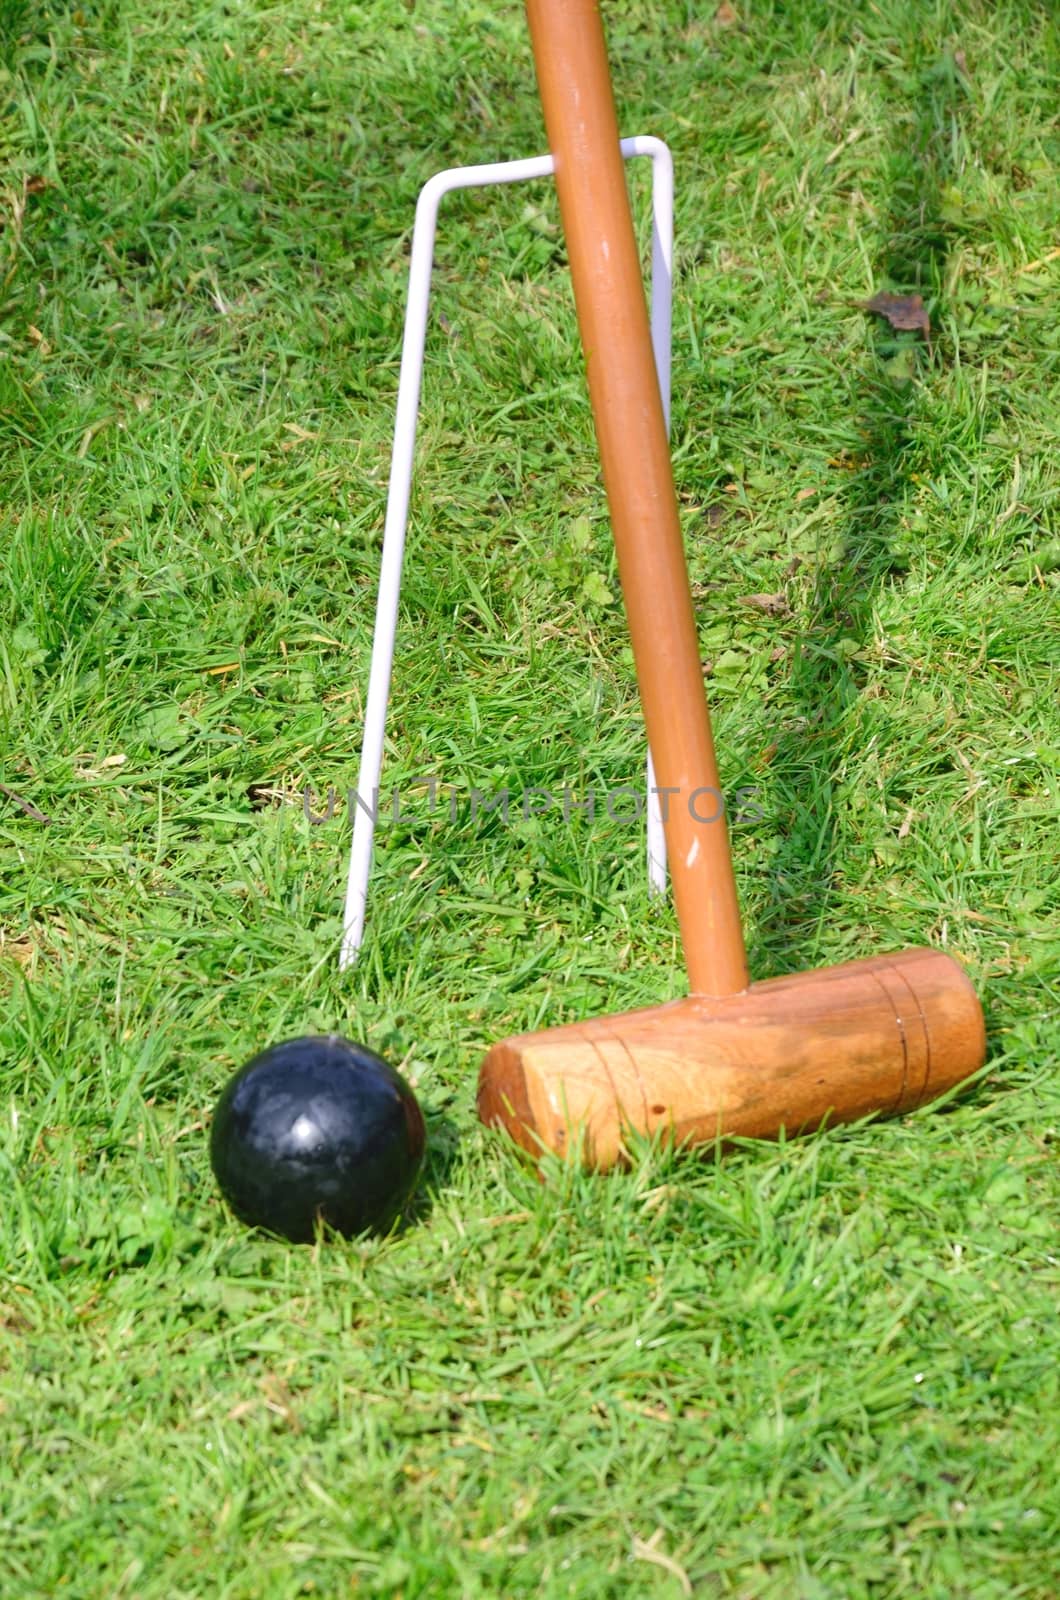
pixel 820 1370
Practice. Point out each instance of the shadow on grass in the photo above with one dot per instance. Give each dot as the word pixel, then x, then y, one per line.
pixel 14 17
pixel 443 1143
pixel 826 680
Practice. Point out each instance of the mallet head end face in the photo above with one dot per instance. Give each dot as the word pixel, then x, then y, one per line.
pixel 874 1037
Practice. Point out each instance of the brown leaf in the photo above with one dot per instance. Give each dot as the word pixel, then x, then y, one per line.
pixel 1042 261
pixel 21 948
pixel 264 795
pixel 905 312
pixel 726 15
pixel 106 765
pixel 279 1401
pixel 24 805
pixel 774 605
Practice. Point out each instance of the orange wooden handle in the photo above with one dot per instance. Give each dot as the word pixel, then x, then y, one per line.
pixel 573 77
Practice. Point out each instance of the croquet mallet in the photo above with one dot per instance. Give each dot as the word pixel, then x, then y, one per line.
pixel 732 1059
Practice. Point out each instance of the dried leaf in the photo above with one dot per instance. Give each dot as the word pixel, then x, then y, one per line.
pixel 24 805
pixel 726 15
pixel 844 144
pixel 279 1401
pixel 264 795
pixel 905 312
pixel 89 434
pixel 21 948
pixel 774 605
pixel 1042 261
pixel 648 1550
pixel 106 765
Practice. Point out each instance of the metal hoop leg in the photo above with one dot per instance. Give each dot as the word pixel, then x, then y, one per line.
pixel 400 484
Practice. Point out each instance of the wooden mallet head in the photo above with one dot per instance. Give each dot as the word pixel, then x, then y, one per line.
pixel 876 1036
pixel 732 1059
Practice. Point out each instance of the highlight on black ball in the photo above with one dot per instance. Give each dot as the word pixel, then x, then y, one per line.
pixel 317 1130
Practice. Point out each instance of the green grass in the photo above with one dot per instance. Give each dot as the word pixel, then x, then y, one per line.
pixel 822 1369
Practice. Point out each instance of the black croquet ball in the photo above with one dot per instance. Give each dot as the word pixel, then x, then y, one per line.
pixel 317 1128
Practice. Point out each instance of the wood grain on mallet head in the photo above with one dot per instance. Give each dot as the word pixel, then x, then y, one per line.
pixel 879 1036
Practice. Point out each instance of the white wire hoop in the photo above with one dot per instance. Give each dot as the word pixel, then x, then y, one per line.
pixel 400 484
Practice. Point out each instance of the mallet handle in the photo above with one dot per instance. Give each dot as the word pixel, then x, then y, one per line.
pixel 575 84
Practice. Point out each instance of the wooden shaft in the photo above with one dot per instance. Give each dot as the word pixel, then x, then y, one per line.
pixel 880 1036
pixel 575 85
